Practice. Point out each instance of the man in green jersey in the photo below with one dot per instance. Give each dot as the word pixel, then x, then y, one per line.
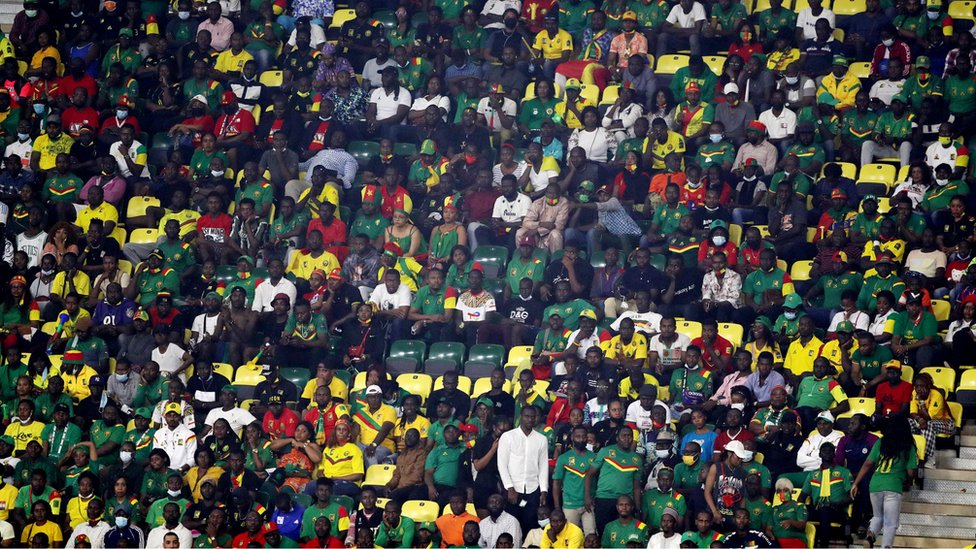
pixel 568 481
pixel 615 472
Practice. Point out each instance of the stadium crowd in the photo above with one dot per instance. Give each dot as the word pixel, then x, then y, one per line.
pixel 499 273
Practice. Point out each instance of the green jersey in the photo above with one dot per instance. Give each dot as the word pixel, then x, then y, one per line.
pixel 571 469
pixel 59 440
pixel 890 127
pixel 807 155
pixel 570 311
pixel 618 534
pixel 912 330
pixel 914 91
pixel 428 301
pixel 575 18
pixel 788 510
pixel 62 188
pixel 706 81
pixel 151 283
pixel 759 281
pixel 828 486
pixel 654 502
pixel 667 218
pixel 760 513
pixel 414 76
pixel 690 387
pixel 143 442
pixel 155 515
pixel 260 192
pixel 179 256
pixel 802 183
pixel 436 430
pixel 535 111
pixel 371 226
pixel 445 461
pixel 834 286
pixel 686 476
pixel 719 154
pixel 819 393
pixel 337 514
pixel 770 22
pixel 858 127
pixel 890 474
pixel 102 434
pixel 399 536
pixel 518 269
pixel 871 365
pixel 618 470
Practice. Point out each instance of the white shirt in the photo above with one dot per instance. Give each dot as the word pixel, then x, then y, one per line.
pixel 157 534
pixel 189 417
pixel 171 360
pixel 665 353
pixel 95 533
pixel 236 416
pixel 914 191
pixel 496 173
pixel 388 103
pixel 780 126
pixel 204 324
pixel 936 154
pixel 807 21
pixel 387 301
pixel 627 117
pixel 511 211
pixel 317 34
pixel 440 101
pixel 7 531
pixel 523 461
pixel 640 417
pixel 658 541
pixel 498 7
pixel 925 262
pixel 877 326
pixel 597 143
pixel 646 323
pixel 265 292
pixel 489 112
pixel 23 150
pixel 115 152
pixel 884 90
pixel 859 319
pixel 179 444
pixel 491 529
pixel 683 20
pixel 808 458
pixel 371 72
pixel 32 247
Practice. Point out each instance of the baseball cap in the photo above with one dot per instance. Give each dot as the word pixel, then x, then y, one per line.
pixel 692 86
pixel 157 253
pixel 468 428
pixel 199 97
pixel 572 84
pixel 7 439
pixel 246 258
pixel 495 88
pixel 664 436
pixel 427 147
pixel 630 14
pixel 826 416
pixel 527 239
pixel 228 98
pixel 840 61
pixel 736 448
pixel 792 301
pixel 756 125
pixel 587 313
pixel 845 326
pixel 335 274
pixel 283 296
pixel 923 62
pixel 893 364
pixel 838 193
pixel 731 87
pixel 373 390
pixel 144 412
pixel 173 407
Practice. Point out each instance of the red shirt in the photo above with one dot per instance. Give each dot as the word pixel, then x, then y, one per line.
pixel 692 198
pixel 335 233
pixel 231 126
pixel 74 118
pixel 891 399
pixel 215 230
pixel 534 12
pixel 331 542
pixel 283 426
pixel 390 201
pixel 69 85
pixel 480 204
pixel 244 539
pixel 707 250
pixel 317 142
pixel 328 419
pixel 723 438
pixel 206 122
pixel 114 122
pixel 559 413
pixel 722 345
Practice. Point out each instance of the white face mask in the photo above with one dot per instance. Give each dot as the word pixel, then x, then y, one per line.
pixel 543 523
pixel 661 454
pixel 942 181
pixel 888 43
pixel 715 137
pixel 589 447
pixel 121 522
pixel 30 13
pixel 719 240
pixel 792 80
pixel 748 457
pixel 122 113
pixel 740 406
pixel 184 15
pixel 174 493
pixel 932 15
pixel 126 457
pixel 217 173
pixel 790 315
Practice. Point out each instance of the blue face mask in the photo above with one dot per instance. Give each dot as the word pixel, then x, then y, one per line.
pixel 39 108
pixel 121 522
pixel 122 378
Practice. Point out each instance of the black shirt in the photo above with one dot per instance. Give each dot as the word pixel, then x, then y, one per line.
pixel 524 311
pixel 346 296
pixel 644 279
pixel 556 272
pixel 460 401
pixel 504 404
pixel 285 388
pixel 703 218
pixel 94 255
pixel 687 286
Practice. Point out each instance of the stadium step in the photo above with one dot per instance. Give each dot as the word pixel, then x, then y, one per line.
pixel 938 498
pixel 932 542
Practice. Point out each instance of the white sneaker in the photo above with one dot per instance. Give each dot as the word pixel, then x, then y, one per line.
pixel 930 464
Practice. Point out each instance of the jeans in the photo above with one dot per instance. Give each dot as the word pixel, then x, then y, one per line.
pixel 379 456
pixel 870 150
pixel 887 508
pixel 582 518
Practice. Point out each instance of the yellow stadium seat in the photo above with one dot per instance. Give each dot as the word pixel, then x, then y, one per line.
pixel 715 62
pixel 464 384
pixel 469 508
pixel 519 355
pixel 908 373
pixel 341 16
pixel 125 266
pixel 919 446
pixel 941 308
pixel 224 369
pixel 483 384
pixel 379 475
pixel 760 5
pixel 878 173
pixel 962 9
pixel 690 328
pixel 590 92
pixel 144 236
pixel 530 91
pixel 763 230
pixel 735 234
pixel 139 204
pixel 359 382
pixel 246 404
pixel 812 231
pixel 884 204
pixel 610 94
pixel 421 510
pixel 848 7
pixel 248 375
pixel 119 234
pixel 864 406
pixel 272 79
pixel 801 270
pixel 944 378
pixel 781 264
pixel 967 381
pixel 416 384
pixel 810 531
pixel 800 5
pixel 669 64
pixel 732 332
pixel 847 169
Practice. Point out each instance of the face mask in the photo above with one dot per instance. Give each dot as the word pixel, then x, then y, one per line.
pixel 748 457
pixel 579 446
pixel 785 496
pixel 511 23
pixel 121 378
pixel 121 522
pixel 584 198
pixel 746 36
pixel 888 43
pixel 792 80
pixel 126 457
pixel 715 137
pixel 470 158
pixel 184 15
pixel 217 173
pixel 39 108
pixel 790 315
pixel 48 272
pixel 631 168
pixel 942 182
pixel 30 13
pixel 694 184
pixel 661 454
pixel 740 406
pixel 688 460
pixel 589 447
pixel 230 109
pixel 945 140
pixel 122 113
pixel 77 14
pixel 173 493
pixel 552 201
pixel 923 77
pixel 543 523
pixel 23 136
pixel 932 15
pixel 25 421
pixel 719 240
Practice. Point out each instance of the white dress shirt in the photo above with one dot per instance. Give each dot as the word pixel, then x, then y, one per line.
pixel 523 461
pixel 491 529
pixel 179 444
pixel 265 292
pixel 658 541
pixel 95 533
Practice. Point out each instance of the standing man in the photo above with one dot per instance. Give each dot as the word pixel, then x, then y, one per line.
pixel 523 463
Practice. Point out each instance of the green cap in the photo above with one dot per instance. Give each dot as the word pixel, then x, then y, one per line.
pixel 249 259
pixel 923 62
pixel 718 223
pixel 870 197
pixel 486 401
pixel 845 326
pixel 840 61
pixel 228 389
pixel 7 439
pixel 126 32
pixel 587 185
pixel 213 295
pixel 793 301
pixel 764 321
pixel 144 412
pixel 427 147
pixel 427 525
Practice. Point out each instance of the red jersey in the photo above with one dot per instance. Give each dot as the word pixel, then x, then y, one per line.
pixel 890 399
pixel 244 539
pixel 334 234
pixel 73 118
pixel 325 422
pixel 692 197
pixel 235 124
pixel 724 437
pixel 330 542
pixel 390 201
pixel 206 122
pixel 215 229
pixel 283 426
pixel 114 122
pixel 707 250
pixel 69 84
pixel 317 142
pixel 534 13
pixel 721 345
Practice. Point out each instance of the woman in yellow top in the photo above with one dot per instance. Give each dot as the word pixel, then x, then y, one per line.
pixel 23 428
pixel 78 506
pixel 411 419
pixel 929 415
pixel 41 512
pixel 762 341
pixel 204 469
pixel 342 461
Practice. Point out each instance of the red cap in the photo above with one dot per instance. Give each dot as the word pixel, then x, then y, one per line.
pixel 757 125
pixel 476 266
pixel 692 86
pixel 228 98
pixel 393 248
pixel 336 274
pixel 527 239
pixel 468 428
pixel 282 296
pixel 269 527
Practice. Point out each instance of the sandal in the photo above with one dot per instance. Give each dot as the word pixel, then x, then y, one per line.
pixel 869 541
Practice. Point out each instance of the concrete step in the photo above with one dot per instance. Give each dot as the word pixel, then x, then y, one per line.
pixel 932 532
pixel 944 509
pixel 967 440
pixel 940 498
pixel 930 542
pixel 948 474
pixel 950 486
pixel 938 521
pixel 948 460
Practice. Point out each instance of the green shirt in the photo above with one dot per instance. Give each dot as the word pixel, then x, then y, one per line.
pixel 25 499
pixel 307 331
pixel 332 510
pixel 575 18
pixel 200 161
pixel 570 312
pixel 131 59
pixel 668 218
pixel 260 192
pixel 102 434
pixel 45 403
pixel 840 485
pixel 801 182
pixel 60 440
pixel 256 31
pixel 618 470
pixel 436 430
pixel 770 23
pixel 281 226
pixel 871 366
pixel 535 111
pixel 223 540
pixel 62 188
pixel 154 483
pixel 835 285
pixel 617 534
pixel 571 469
pixel 414 76
pixel 371 226
pixel 727 19
pixel 151 394
pixel 867 299
pixel 682 77
pixel 890 474
pixel 154 517
pixel 654 502
pixel 807 155
pixel 429 302
pixel 690 387
pixel 765 478
pixel 720 154
pixel 445 460
pixel 937 197
pixel 911 331
pixel 518 269
pixel 858 127
pixel 468 40
pixel 8 380
pixel 211 89
pixel 686 476
pixel 788 510
pixel 895 128
pixel 759 281
pixel 868 228
pixel 179 256
pixel 818 393
pixel 914 91
pixel 651 14
pixel 401 536
pixel 150 284
pixel 760 513
pixel 143 443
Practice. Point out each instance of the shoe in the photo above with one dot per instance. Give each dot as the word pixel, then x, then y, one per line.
pixel 869 541
pixel 931 464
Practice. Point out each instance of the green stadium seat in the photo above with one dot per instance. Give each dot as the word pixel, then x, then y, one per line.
pixel 408 348
pixel 487 352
